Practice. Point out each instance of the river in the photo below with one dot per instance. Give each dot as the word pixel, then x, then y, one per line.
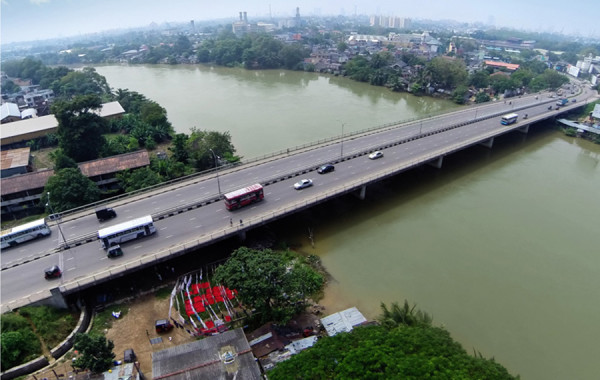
pixel 500 245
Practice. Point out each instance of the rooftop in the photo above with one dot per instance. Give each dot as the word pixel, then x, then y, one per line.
pixel 209 358
pixel 15 158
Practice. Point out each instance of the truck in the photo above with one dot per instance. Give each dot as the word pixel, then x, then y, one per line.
pixel 105 213
pixel 562 101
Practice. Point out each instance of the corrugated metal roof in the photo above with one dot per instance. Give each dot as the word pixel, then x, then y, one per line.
pixel 342 321
pixel 14 158
pixel 203 359
pixel 596 111
pixel 29 181
pixel 301 344
pixel 115 163
pixel 9 109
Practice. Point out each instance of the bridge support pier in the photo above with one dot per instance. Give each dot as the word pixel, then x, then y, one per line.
pixel 524 129
pixel 436 163
pixel 362 193
pixel 57 300
pixel 242 235
pixel 488 143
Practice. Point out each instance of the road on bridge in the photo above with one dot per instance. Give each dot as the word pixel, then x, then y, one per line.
pixel 22 267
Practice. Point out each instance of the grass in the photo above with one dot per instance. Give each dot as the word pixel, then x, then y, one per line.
pixel 52 325
pixel 103 320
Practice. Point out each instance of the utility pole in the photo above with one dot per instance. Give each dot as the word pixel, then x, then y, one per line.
pixel 57 221
pixel 217 168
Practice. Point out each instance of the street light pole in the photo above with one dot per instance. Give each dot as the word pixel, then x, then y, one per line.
pixel 342 144
pixel 57 220
pixel 217 168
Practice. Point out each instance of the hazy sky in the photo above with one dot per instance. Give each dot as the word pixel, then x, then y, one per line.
pixel 25 20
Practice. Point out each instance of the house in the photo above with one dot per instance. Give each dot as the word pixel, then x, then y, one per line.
pixel 223 356
pixel 15 161
pixel 343 321
pixel 22 193
pixel 19 132
pixel 103 171
pixel 9 112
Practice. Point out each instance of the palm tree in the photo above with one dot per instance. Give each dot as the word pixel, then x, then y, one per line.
pixel 403 316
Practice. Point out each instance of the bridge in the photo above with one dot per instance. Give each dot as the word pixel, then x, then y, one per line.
pixel 189 214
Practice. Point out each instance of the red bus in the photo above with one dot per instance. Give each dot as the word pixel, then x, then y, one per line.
pixel 243 197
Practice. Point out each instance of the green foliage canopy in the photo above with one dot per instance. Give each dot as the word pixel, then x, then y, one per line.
pixel 79 128
pixel 68 189
pixel 275 283
pixel 376 352
pixel 95 352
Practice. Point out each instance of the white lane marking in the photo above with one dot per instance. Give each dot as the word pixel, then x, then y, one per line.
pixel 70 258
pixel 198 226
pixel 164 228
pixel 137 247
pixel 168 237
pixel 194 218
pixel 71 269
pixel 104 258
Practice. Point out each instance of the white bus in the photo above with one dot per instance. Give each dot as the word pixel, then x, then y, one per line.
pixel 126 231
pixel 509 118
pixel 24 232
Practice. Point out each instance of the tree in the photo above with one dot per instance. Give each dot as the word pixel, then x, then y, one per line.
pixel 480 79
pixel 275 283
pixel 447 73
pixel 403 316
pixel 482 97
pixel 18 347
pixel 79 128
pixel 10 87
pixel 95 352
pixel 69 189
pixel 84 82
pixel 61 160
pixel 136 179
pixel 459 94
pixel 376 352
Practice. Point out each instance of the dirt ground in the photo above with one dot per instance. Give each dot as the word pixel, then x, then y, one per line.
pixel 136 328
pixel 133 330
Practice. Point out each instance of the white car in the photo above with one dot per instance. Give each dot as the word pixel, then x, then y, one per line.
pixel 303 183
pixel 375 155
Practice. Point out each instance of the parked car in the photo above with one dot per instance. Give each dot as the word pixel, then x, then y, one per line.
pixel 375 155
pixel 163 325
pixel 52 272
pixel 114 251
pixel 326 169
pixel 303 183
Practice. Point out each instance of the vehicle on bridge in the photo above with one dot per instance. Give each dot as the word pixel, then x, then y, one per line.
pixel 244 197
pixel 303 183
pixel 52 272
pixel 105 213
pixel 24 232
pixel 120 233
pixel 509 118
pixel 375 155
pixel 562 102
pixel 114 251
pixel 326 169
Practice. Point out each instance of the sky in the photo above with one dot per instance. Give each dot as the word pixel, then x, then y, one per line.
pixel 27 20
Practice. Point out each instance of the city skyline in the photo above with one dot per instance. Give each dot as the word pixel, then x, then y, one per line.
pixel 28 20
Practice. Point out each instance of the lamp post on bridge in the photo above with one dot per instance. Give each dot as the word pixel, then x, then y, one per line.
pixel 342 141
pixel 57 221
pixel 217 169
